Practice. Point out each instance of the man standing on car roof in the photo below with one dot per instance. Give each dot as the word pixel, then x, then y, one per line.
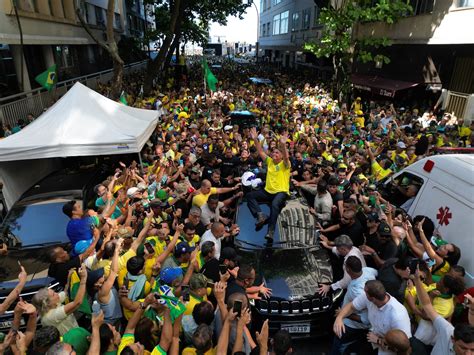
pixel 277 184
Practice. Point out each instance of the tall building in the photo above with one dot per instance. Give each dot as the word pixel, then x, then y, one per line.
pixel 432 53
pixel 52 33
pixel 285 26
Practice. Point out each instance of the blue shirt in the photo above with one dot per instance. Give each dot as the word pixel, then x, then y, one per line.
pixel 80 229
pixel 354 289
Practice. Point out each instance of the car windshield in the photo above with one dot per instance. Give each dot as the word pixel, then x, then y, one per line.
pixel 36 222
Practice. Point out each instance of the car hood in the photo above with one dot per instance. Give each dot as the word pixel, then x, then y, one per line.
pixel 294 274
pixel 35 264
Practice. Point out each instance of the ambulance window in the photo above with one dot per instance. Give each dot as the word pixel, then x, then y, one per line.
pixel 403 190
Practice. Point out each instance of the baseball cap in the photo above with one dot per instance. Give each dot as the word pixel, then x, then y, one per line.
pixel 198 281
pixel 373 217
pixel 229 254
pixel 81 246
pixel 182 248
pixel 132 191
pixel 193 125
pixel 169 274
pixel 162 195
pixel 401 144
pixel 384 229
pixel 195 169
pixel 158 203
pixel 141 186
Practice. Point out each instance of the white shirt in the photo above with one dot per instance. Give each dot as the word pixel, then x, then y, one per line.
pixel 207 214
pixel 354 289
pixel 209 237
pixel 392 315
pixel 342 283
pixel 444 332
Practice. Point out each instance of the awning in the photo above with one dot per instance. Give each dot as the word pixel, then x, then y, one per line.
pixel 380 86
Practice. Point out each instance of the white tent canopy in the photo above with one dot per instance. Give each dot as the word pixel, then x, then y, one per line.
pixel 81 123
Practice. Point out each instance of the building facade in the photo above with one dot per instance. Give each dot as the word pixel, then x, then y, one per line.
pixel 52 34
pixel 284 27
pixel 432 51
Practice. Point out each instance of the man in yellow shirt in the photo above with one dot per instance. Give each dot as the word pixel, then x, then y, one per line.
pixel 207 190
pixel 277 184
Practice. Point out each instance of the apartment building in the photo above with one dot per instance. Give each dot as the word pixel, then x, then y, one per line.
pixel 285 26
pixel 52 34
pixel 432 53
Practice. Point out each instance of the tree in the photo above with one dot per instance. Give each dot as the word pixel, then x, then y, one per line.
pixel 110 46
pixel 188 20
pixel 338 42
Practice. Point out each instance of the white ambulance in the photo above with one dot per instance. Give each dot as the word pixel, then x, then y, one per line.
pixel 446 196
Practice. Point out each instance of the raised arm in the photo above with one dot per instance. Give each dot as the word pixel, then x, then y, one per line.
pixel 424 298
pixel 427 245
pixel 258 146
pixel 137 242
pixel 162 257
pixel 97 321
pixel 15 293
pixel 104 291
pixel 284 150
pixel 167 331
pixel 71 307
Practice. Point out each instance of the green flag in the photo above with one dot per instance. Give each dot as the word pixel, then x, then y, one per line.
pixel 123 98
pixel 208 76
pixel 48 78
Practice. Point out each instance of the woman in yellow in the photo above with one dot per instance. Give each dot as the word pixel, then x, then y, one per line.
pixel 444 256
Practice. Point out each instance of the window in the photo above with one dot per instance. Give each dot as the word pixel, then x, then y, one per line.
pixel 65 56
pixel 306 18
pixel 295 22
pixel 276 2
pixel 263 31
pixel 99 16
pixel 284 22
pixel 268 28
pixel 276 24
pixel 422 6
pixel 317 12
pixel 466 3
pixel 117 22
pixel 262 5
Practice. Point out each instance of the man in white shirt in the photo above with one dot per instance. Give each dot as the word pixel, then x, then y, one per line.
pixel 215 234
pixel 357 324
pixel 384 313
pixel 342 246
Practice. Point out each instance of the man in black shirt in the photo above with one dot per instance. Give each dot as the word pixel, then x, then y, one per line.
pixel 380 248
pixel 394 274
pixel 210 267
pixel 61 261
pixel 245 279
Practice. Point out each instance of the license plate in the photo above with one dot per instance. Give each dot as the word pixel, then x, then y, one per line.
pixel 8 323
pixel 296 328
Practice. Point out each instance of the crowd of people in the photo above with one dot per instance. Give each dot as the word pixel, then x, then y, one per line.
pixel 153 268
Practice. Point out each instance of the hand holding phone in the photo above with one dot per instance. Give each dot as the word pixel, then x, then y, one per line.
pixel 237 308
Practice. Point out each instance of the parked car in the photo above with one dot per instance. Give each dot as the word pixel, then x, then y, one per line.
pixel 244 119
pixel 293 267
pixel 35 224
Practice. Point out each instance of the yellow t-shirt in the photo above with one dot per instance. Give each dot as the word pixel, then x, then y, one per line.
pixel 444 306
pixel 402 154
pixel 193 301
pixel 127 339
pixel 121 278
pixel 278 177
pixel 378 172
pixel 193 351
pixel 193 242
pixel 201 199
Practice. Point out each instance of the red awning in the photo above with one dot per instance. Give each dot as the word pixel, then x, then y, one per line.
pixel 378 85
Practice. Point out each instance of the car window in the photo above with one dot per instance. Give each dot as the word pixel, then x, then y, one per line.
pixel 402 188
pixel 38 222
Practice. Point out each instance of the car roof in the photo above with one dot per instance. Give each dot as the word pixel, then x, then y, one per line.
pixel 62 180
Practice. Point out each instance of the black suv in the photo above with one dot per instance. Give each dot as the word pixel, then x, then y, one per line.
pixel 35 224
pixel 292 267
pixel 244 119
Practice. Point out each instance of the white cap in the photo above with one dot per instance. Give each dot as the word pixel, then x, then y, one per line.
pixel 132 191
pixel 401 145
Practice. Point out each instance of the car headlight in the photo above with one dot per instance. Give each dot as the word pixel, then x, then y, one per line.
pixel 337 294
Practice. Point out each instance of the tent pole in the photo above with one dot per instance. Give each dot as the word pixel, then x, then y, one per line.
pixel 141 162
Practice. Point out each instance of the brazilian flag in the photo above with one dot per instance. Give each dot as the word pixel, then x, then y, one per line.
pixel 48 78
pixel 167 298
pixel 208 76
